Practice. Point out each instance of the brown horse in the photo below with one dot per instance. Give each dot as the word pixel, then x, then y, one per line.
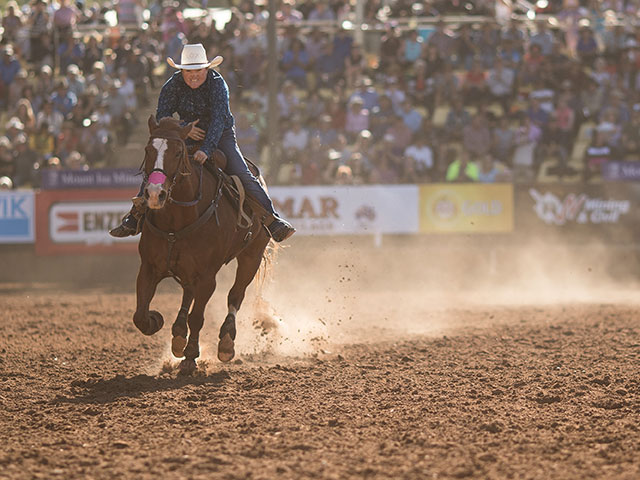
pixel 190 231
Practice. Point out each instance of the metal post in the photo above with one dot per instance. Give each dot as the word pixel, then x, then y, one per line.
pixel 272 74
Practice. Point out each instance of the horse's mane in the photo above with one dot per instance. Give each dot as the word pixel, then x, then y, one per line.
pixel 169 123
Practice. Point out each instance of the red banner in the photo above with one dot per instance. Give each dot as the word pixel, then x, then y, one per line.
pixel 78 221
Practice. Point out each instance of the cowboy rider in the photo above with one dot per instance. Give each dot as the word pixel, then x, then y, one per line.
pixel 199 94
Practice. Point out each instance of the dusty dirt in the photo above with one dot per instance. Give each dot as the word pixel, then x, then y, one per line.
pixel 400 387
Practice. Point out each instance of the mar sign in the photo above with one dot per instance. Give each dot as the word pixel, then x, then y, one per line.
pixel 17 217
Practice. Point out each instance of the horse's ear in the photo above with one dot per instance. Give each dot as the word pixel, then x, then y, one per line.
pixel 153 124
pixel 184 131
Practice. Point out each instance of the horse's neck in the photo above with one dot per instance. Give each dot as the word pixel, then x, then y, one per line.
pixel 172 217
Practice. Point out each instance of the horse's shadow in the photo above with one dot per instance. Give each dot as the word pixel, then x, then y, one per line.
pixel 102 391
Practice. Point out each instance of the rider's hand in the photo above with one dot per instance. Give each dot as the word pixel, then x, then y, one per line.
pixel 196 133
pixel 200 157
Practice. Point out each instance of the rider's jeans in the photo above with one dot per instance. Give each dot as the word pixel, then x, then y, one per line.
pixel 237 166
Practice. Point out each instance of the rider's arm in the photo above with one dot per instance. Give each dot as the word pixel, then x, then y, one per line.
pixel 168 100
pixel 220 115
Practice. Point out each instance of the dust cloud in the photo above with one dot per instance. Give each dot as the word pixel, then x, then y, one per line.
pixel 323 293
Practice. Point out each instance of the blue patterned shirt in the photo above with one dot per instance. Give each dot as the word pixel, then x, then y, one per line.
pixel 209 103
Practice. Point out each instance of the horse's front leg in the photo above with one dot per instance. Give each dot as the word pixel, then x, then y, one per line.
pixel 179 329
pixel 148 322
pixel 202 294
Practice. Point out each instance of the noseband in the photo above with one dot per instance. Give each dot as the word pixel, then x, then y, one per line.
pixel 158 175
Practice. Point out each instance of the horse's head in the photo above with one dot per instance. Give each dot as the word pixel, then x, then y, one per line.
pixel 165 158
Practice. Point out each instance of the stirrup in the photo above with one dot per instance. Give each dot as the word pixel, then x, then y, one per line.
pixel 126 229
pixel 280 230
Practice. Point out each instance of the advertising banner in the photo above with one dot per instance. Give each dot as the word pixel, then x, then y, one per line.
pixel 609 211
pixel 466 208
pixel 102 178
pixel 621 171
pixel 17 215
pixel 78 221
pixel 341 209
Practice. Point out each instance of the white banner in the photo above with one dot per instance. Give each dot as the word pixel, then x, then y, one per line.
pixel 87 222
pixel 342 209
pixel 17 213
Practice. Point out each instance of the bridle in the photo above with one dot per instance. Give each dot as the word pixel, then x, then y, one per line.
pixel 174 180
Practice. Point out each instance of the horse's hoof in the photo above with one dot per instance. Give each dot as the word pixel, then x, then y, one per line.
pixel 225 349
pixel 187 367
pixel 156 322
pixel 177 346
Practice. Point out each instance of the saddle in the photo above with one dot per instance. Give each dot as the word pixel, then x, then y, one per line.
pixel 235 191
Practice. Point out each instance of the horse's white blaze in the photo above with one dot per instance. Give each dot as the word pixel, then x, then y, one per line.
pixel 154 189
pixel 161 145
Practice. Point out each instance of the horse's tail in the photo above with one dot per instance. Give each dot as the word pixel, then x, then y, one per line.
pixel 266 266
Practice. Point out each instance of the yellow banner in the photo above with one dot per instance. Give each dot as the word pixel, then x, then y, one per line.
pixel 471 208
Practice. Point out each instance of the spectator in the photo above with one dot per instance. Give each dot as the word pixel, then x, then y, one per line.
pixel 354 68
pixel 321 11
pixel 587 47
pixel 411 48
pixel 401 135
pixel 7 159
pixel 503 141
pixel 12 22
pixel 248 136
pixel 474 87
pixel 598 153
pixel 51 117
pixel 385 169
pixel 543 38
pixel 462 170
pixel 25 160
pixel 63 99
pixel 70 51
pixel 75 80
pixel 457 119
pixel 39 44
pixel 9 68
pixel 295 63
pixel 295 139
pixel 630 141
pixel 476 136
pixel 500 83
pixel 411 117
pixel 491 171
pixel 357 118
pixel 442 40
pixel 25 114
pixel 420 159
pixel 43 141
pixel 65 18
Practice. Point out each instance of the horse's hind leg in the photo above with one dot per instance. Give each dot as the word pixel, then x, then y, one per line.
pixel 148 322
pixel 202 294
pixel 179 329
pixel 248 264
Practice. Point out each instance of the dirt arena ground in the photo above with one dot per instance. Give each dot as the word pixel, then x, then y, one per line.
pixel 372 365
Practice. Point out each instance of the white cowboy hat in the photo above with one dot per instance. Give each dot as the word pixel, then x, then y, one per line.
pixel 194 57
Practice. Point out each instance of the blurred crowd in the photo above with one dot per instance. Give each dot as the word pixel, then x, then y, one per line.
pixel 404 102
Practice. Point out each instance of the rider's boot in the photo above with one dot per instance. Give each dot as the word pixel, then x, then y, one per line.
pixel 280 229
pixel 131 222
